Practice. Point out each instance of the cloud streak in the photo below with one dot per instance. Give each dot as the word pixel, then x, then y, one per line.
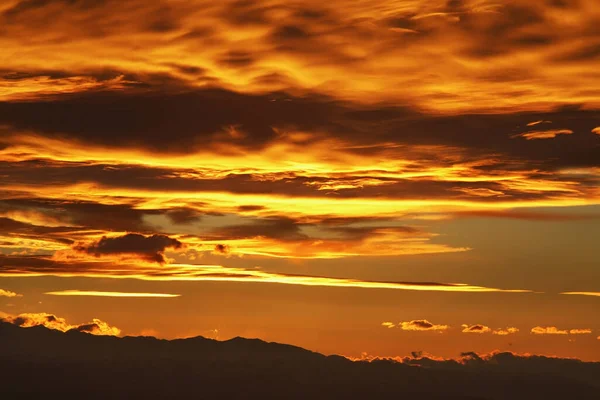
pixel 94 293
pixel 41 266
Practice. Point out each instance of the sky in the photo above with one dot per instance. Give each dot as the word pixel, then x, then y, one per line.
pixel 367 178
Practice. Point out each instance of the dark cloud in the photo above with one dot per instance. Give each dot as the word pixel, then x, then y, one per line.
pixel 222 249
pixel 170 122
pixel 477 328
pixel 184 215
pixel 178 122
pixel 13 229
pixel 109 217
pixel 150 248
pixel 237 59
pixel 280 228
pixel 289 32
pixel 38 172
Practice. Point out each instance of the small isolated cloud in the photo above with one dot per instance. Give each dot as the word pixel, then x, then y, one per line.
pixel 534 123
pixel 549 134
pixel 421 325
pixel 507 331
pixel 149 248
pixel 50 321
pixel 388 324
pixel 580 331
pixel 548 330
pixel 597 294
pixel 596 130
pixel 478 328
pixel 222 249
pixel 8 293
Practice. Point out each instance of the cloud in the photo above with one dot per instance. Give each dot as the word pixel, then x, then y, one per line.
pixel 506 331
pixel 548 330
pixel 421 325
pixel 552 330
pixel 549 134
pixel 8 293
pixel 222 249
pixel 94 293
pixel 24 266
pixel 580 331
pixel 51 321
pixel 478 328
pixel 150 248
pixel 596 130
pixel 595 294
pixel 388 324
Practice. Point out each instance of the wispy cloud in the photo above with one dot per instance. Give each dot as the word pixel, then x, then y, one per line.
pixel 549 134
pixel 41 266
pixel 109 294
pixel 596 294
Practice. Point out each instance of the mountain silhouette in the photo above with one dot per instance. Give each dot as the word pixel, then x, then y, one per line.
pixel 37 362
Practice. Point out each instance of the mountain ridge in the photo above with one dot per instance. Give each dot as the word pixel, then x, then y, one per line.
pixel 128 367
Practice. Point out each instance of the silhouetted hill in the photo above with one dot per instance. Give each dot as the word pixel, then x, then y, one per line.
pixel 41 363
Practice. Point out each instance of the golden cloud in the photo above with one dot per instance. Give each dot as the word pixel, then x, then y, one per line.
pixel 504 332
pixel 548 330
pixel 95 327
pixel 421 325
pixel 8 293
pixel 595 294
pixel 552 330
pixel 41 266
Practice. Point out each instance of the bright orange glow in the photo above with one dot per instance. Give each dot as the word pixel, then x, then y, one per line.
pixel 443 153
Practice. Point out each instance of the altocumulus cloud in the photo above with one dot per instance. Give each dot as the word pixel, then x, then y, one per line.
pixel 51 321
pixel 552 330
pixel 421 325
pixel 477 328
pixel 149 248
pixel 507 331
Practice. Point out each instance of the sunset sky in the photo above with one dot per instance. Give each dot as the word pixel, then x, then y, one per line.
pixel 356 177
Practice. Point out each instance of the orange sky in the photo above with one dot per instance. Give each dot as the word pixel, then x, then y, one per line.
pixel 327 175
